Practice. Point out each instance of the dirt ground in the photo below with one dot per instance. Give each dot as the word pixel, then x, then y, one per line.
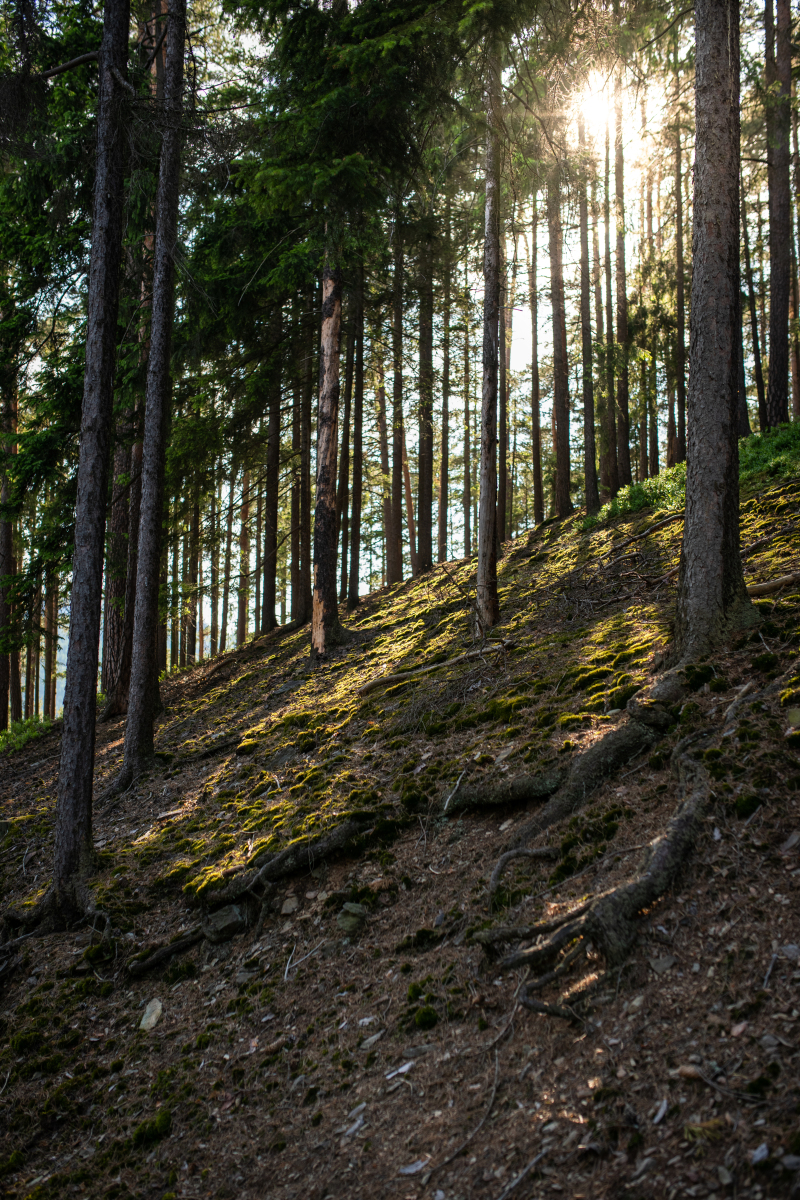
pixel 354 1040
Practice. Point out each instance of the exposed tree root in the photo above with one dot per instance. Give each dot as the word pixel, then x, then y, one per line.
pixel 520 852
pixel 382 681
pixel 139 966
pixel 608 925
pixel 523 789
pixel 773 585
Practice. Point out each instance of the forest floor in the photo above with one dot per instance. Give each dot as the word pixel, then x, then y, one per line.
pixel 326 1051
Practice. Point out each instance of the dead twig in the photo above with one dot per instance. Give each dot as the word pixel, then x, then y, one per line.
pixel 450 1158
pixel 509 1188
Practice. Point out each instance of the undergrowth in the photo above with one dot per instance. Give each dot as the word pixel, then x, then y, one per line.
pixel 20 733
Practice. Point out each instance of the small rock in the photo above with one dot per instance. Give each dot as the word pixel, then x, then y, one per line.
pixel 370 1041
pixel 690 1071
pixel 245 976
pixel 636 1004
pixel 290 905
pixel 438 920
pixel 791 842
pixel 662 965
pixel 352 918
pixel 642 1168
pixel 769 1043
pixel 791 1162
pixel 662 1112
pixel 418 1051
pixel 791 951
pixel 760 1155
pixel 739 1029
pixel 414 1168
pixel 311 895
pixel 224 924
pixel 367 1021
pixel 151 1015
pixel 724 1176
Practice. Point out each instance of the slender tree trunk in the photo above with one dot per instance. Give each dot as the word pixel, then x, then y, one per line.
pixel 560 363
pixel 611 420
pixel 444 464
pixel 116 563
pixel 623 404
pixel 744 416
pixel 589 463
pixel 303 612
pixel 73 851
pixel 409 497
pixel 258 564
pixel 194 548
pixel 244 563
pixel 294 509
pixel 143 697
pixel 342 491
pixel 536 427
pixel 214 631
pixel 653 400
pixel 795 282
pixel 751 295
pixel 680 343
pixel 358 446
pixel 502 422
pixel 425 456
pixel 174 637
pixel 602 399
pixel 467 496
pixel 778 79
pixel 711 590
pixel 643 409
pixel 184 593
pixel 270 562
pixel 394 532
pixel 226 575
pixel 383 444
pixel 325 628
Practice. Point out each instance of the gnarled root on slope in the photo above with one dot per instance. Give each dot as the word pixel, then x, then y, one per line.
pixel 608 926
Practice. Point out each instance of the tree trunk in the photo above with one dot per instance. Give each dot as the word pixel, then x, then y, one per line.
pixel 560 363
pixel 73 851
pixel 226 577
pixel 711 589
pixel 194 539
pixel 257 569
pixel 342 491
pixel 467 496
pixel 243 596
pixel 270 559
pixel 751 295
pixel 589 463
pixel 394 532
pixel 680 343
pixel 425 457
pixel 358 446
pixel 143 696
pixel 778 80
pixel 623 414
pixel 502 416
pixel 643 407
pixel 611 421
pixel 487 604
pixel 116 563
pixel 383 444
pixel 536 427
pixel 175 608
pixel 303 612
pixel 325 628
pixel 653 463
pixel 214 632
pixel 744 417
pixel 294 504
pixel 409 496
pixel 794 331
pixel 444 464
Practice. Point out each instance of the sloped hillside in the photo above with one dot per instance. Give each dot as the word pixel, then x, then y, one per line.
pixel 303 990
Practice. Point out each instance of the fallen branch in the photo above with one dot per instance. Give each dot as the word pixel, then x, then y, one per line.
pixel 772 585
pixel 650 529
pixel 523 789
pixel 402 676
pixel 140 966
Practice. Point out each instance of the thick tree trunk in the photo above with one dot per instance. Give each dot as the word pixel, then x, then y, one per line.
pixel 711 589
pixel 394 532
pixel 343 488
pixel 560 362
pixel 589 453
pixel 610 417
pixel 487 603
pixel 143 696
pixel 680 343
pixel 778 79
pixel 751 295
pixel 444 464
pixel 425 457
pixel 536 427
pixel 243 595
pixel 270 557
pixel 623 413
pixel 358 447
pixel 325 628
pixel 73 852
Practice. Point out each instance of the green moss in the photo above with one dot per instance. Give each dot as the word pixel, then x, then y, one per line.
pixel 764 662
pixel 14 1162
pixel 154 1129
pixel 426 1017
pixel 746 804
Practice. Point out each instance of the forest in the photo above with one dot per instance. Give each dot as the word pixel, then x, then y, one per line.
pixel 399 469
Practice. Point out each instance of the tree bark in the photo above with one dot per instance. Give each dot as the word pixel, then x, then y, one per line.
pixel 343 489
pixel 383 445
pixel 589 464
pixel 711 589
pixel 560 363
pixel 611 420
pixel 325 628
pixel 502 416
pixel 751 295
pixel 680 342
pixel 467 494
pixel 358 446
pixel 623 413
pixel 394 532
pixel 444 464
pixel 270 557
pixel 536 427
pixel 425 456
pixel 214 631
pixel 778 79
pixel 487 603
pixel 116 564
pixel 143 696
pixel 294 503
pixel 243 596
pixel 194 550
pixel 653 463
pixel 226 575
pixel 303 611
pixel 175 606
pixel 73 851
pixel 409 497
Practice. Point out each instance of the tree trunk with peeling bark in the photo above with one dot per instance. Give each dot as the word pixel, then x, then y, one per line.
pixel 711 591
